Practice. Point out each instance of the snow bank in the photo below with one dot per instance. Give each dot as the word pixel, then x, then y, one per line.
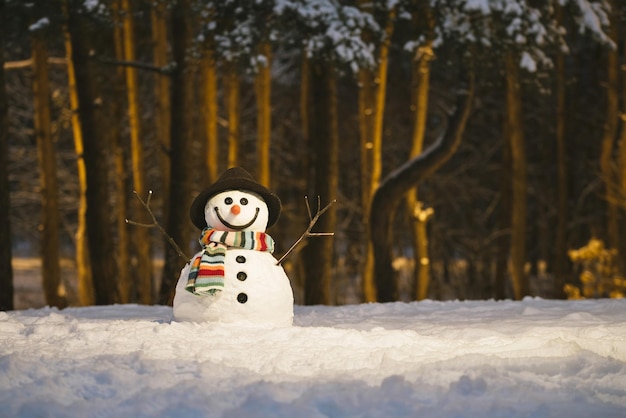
pixel 534 358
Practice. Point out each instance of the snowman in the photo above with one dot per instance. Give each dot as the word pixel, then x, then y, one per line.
pixel 234 278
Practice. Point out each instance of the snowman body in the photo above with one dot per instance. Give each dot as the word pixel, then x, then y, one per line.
pixel 256 289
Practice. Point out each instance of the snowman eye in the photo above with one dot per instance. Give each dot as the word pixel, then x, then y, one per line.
pixel 228 200
pixel 244 201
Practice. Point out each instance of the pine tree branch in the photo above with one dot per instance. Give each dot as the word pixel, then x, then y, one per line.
pixel 155 223
pixel 312 221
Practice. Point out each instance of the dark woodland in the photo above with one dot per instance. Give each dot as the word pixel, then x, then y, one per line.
pixel 462 167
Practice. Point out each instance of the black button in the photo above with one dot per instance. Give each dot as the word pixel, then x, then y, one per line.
pixel 240 259
pixel 242 298
pixel 242 276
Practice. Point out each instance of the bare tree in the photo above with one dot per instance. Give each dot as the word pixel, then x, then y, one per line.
pixel 418 214
pixel 560 259
pixel 515 136
pixel 318 254
pixel 395 186
pixel 46 151
pixel 263 89
pixel 372 93
pixel 140 237
pixel 618 18
pixel 208 66
pixel 102 254
pixel 232 87
pixel 158 19
pixel 181 177
pixel 86 293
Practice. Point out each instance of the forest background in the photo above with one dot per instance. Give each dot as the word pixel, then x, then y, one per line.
pixel 507 115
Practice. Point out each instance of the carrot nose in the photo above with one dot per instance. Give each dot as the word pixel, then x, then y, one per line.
pixel 235 209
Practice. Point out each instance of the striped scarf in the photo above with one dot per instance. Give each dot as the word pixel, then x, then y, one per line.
pixel 206 275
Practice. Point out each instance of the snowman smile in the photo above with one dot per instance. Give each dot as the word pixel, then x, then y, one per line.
pixel 236 227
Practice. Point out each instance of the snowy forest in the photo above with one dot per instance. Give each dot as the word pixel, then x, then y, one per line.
pixel 474 148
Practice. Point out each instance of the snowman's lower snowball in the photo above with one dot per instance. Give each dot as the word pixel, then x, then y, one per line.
pixel 255 291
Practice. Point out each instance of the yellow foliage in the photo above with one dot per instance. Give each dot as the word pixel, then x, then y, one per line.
pixel 572 292
pixel 587 277
pixel 598 274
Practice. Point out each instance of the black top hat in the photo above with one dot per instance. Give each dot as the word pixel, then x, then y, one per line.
pixel 235 178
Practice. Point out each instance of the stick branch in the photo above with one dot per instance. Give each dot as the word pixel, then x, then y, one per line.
pixel 166 69
pixel 155 223
pixel 312 221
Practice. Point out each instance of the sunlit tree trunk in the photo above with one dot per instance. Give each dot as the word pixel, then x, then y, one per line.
pixel 231 85
pixel 209 76
pixel 125 286
pixel 263 85
pixel 95 154
pixel 416 210
pixel 324 135
pixel 181 141
pixel 46 151
pixel 560 261
pixel 6 270
pixel 373 89
pixel 519 177
pixel 140 237
pixel 86 293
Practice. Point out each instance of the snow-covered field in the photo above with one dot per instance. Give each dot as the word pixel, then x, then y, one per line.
pixel 535 358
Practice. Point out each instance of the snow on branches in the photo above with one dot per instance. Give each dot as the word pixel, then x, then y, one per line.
pixel 518 24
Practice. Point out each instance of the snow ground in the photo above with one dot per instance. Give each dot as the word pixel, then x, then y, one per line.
pixel 534 358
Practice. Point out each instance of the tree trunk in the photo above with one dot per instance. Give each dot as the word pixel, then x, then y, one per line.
pixel 607 168
pixel 232 99
pixel 418 214
pixel 519 177
pixel 324 134
pixel 395 186
pixel 305 96
pixel 622 163
pixel 6 269
pixel 619 37
pixel 125 286
pixel 181 141
pixel 209 76
pixel 367 105
pixel 86 295
pixel 372 93
pixel 560 260
pixel 263 85
pixel 504 220
pixel 46 152
pixel 162 117
pixel 96 169
pixel 140 237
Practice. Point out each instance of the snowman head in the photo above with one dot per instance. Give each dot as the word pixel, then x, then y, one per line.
pixel 236 184
pixel 236 210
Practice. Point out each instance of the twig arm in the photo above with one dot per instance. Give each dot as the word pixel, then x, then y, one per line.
pixel 155 223
pixel 312 222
